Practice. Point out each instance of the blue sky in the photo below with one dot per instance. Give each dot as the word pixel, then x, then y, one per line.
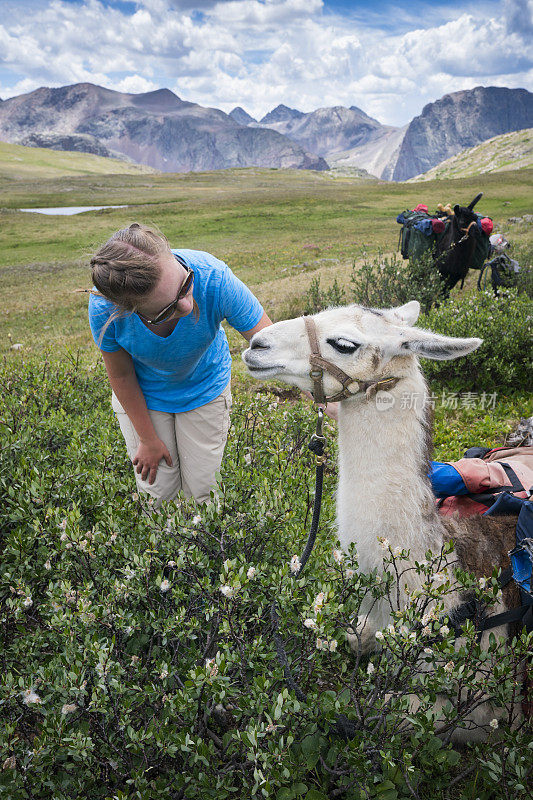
pixel 388 58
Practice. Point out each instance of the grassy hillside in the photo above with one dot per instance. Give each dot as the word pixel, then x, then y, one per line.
pixel 276 228
pixel 18 162
pixel 511 151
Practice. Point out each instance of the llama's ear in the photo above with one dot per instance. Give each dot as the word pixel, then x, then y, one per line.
pixel 439 348
pixel 403 315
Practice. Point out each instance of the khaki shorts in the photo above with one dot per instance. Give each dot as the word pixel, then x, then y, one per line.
pixel 195 440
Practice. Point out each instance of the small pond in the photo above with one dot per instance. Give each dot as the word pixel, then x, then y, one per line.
pixel 67 210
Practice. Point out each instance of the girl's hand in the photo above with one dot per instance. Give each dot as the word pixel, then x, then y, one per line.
pixel 149 453
pixel 331 410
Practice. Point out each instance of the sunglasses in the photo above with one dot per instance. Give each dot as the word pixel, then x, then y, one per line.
pixel 168 311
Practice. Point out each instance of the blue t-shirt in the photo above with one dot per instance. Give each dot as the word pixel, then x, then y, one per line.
pixel 192 366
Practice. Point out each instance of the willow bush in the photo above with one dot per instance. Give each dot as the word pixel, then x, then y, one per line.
pixel 138 658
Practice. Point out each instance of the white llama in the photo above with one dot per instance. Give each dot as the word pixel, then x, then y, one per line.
pixel 384 441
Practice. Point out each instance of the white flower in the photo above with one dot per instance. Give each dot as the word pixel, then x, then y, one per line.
pixel 164 674
pixel 165 586
pixel 428 651
pixel 370 669
pixel 482 583
pixel 397 551
pixel 227 591
pixel 28 602
pixel 379 636
pixel 29 697
pixel 63 524
pixel 350 573
pixel 48 565
pixel 295 564
pixel 211 667
pixel 444 630
pixel 426 631
pixel 390 629
pixel 449 666
pixel 171 563
pixel 385 544
pixel 68 708
pixel 320 644
pixel 333 645
pixel 493 723
pixel 135 496
pixel 404 630
pixel 338 555
pixel 251 572
pixel 439 577
pixel 310 623
pixel 427 617
pixel 196 520
pixel 63 537
pixel 319 602
pixel 247 458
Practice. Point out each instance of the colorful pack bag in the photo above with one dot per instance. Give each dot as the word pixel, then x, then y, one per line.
pixel 493 482
pixel 472 484
pixel 422 231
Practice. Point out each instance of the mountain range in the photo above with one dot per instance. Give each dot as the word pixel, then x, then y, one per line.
pixel 162 131
pixel 154 128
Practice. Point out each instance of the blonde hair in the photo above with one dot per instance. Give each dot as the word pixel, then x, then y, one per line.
pixel 126 268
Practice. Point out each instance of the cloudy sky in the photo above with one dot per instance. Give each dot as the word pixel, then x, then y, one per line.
pixel 388 58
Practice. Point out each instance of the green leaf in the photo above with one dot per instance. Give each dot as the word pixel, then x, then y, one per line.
pixel 299 789
pixel 285 794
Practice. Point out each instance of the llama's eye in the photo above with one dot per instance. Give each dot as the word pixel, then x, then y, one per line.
pixel 343 345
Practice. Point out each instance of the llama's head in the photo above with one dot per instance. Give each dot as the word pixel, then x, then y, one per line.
pixel 464 216
pixel 367 344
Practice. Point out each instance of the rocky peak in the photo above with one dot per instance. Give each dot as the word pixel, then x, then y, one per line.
pixel 281 114
pixel 160 100
pixel 458 121
pixel 241 116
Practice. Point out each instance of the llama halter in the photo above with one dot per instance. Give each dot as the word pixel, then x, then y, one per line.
pixel 320 365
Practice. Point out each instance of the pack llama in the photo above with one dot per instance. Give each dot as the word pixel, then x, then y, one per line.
pixel 384 442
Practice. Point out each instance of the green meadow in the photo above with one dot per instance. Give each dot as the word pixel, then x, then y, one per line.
pixel 276 229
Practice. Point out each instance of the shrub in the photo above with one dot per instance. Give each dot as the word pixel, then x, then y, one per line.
pixel 504 323
pixel 387 281
pixel 317 299
pixel 380 283
pixel 138 659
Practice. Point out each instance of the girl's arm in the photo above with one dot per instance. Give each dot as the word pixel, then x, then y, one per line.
pixel 123 380
pixel 264 322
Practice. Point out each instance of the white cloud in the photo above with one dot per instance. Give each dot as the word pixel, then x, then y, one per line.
pixel 135 84
pixel 258 53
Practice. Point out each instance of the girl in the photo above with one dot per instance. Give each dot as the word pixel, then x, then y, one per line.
pixel 156 316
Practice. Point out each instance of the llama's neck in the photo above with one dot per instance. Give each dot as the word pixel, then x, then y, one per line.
pixel 383 490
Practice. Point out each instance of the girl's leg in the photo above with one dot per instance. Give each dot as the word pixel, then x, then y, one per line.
pixel 201 437
pixel 168 479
